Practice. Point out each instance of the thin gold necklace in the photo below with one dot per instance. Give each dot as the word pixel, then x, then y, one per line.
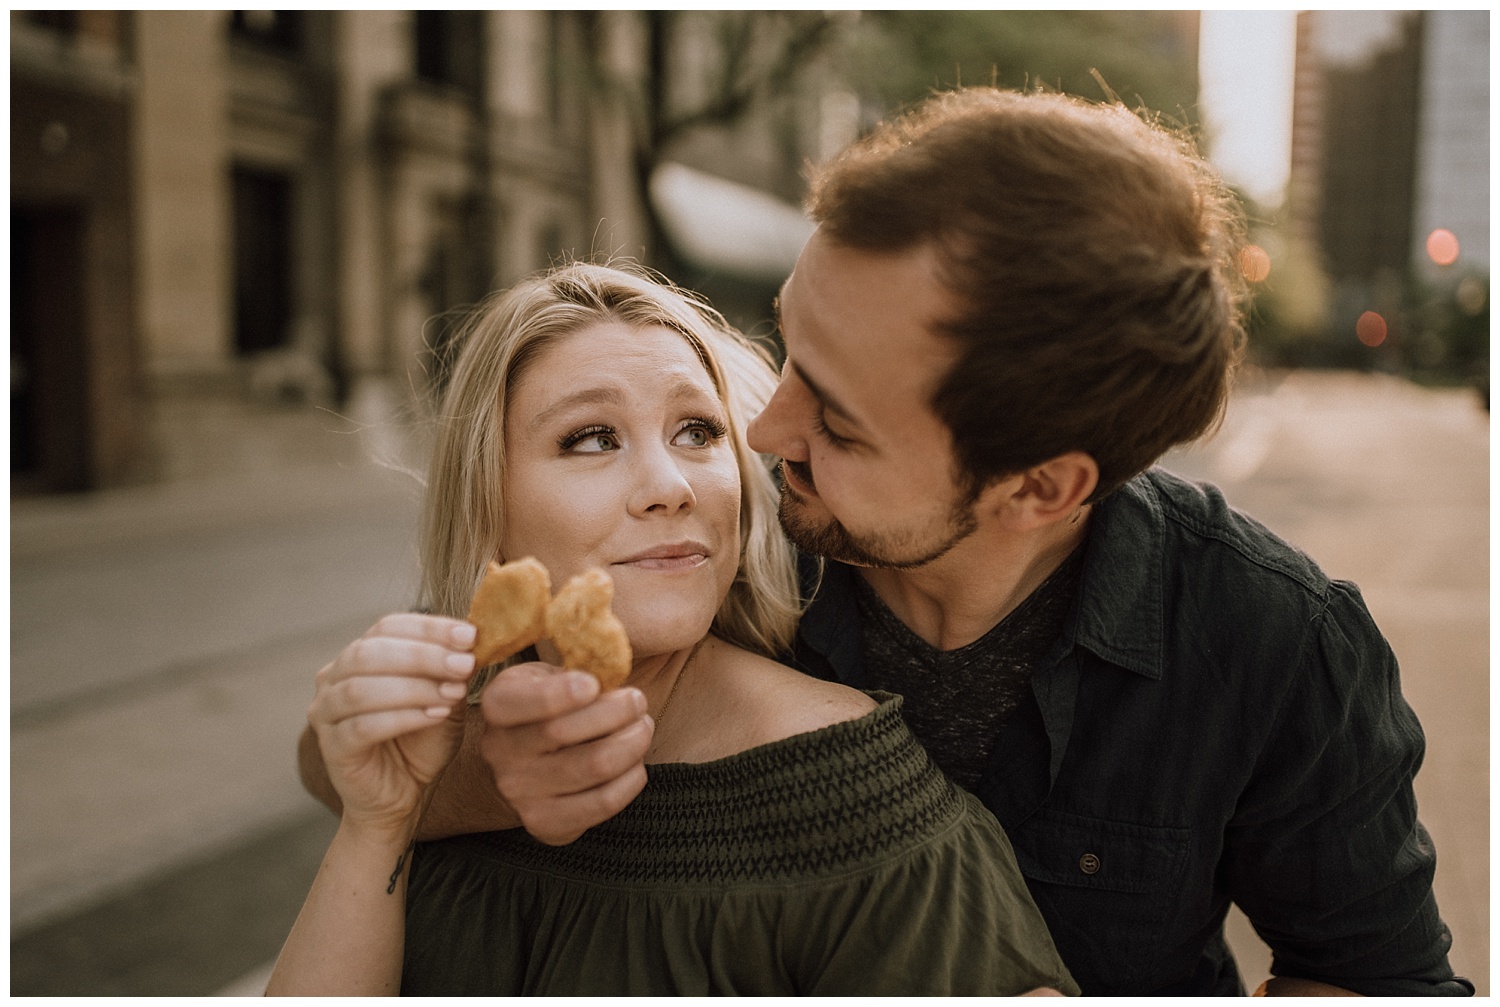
pixel 681 674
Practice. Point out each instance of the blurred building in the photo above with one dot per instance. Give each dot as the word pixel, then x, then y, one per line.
pixel 258 205
pixel 1390 146
pixel 228 210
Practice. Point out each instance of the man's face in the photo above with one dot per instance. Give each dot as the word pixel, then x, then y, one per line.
pixel 867 466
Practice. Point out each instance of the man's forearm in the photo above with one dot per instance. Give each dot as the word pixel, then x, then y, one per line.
pixel 314 774
pixel 1283 986
pixel 464 798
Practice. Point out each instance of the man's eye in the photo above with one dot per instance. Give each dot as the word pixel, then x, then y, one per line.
pixel 591 440
pixel 828 435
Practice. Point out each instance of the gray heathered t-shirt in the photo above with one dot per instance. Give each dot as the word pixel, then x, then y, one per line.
pixel 957 700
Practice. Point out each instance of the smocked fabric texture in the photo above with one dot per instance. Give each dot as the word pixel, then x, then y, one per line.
pixel 1217 722
pixel 838 862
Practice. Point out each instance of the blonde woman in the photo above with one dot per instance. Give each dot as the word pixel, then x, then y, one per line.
pixel 792 837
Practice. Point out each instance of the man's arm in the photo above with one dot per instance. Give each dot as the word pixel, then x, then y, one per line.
pixel 1280 986
pixel 1325 853
pixel 464 798
pixel 543 749
pixel 314 774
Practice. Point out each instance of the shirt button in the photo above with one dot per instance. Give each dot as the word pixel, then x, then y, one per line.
pixel 1088 864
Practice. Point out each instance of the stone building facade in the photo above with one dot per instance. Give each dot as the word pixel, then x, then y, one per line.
pixel 248 208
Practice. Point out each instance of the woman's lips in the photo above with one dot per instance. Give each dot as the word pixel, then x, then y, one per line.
pixel 681 556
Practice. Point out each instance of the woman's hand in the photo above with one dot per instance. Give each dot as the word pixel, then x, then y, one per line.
pixel 388 714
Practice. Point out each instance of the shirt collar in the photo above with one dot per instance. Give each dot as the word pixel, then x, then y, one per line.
pixel 1121 610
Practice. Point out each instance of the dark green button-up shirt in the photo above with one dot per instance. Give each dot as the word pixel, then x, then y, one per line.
pixel 1219 723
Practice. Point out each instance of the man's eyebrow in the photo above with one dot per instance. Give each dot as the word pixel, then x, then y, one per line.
pixel 827 401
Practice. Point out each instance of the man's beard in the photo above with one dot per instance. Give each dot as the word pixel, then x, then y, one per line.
pixel 880 550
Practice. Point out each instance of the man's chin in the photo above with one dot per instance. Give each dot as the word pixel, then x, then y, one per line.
pixel 826 538
pixel 831 540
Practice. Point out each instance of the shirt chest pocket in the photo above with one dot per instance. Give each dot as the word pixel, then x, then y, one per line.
pixel 1107 889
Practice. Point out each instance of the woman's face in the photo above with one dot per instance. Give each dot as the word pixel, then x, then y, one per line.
pixel 617 456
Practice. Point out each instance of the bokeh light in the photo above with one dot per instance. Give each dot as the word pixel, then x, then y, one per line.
pixel 1442 247
pixel 1370 329
pixel 1255 263
pixel 1471 295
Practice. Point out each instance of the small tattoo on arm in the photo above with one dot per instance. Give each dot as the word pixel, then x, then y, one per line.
pixel 400 863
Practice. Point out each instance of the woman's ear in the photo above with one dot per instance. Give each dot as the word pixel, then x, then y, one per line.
pixel 1047 493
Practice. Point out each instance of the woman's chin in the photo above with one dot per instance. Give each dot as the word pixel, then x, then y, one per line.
pixel 652 636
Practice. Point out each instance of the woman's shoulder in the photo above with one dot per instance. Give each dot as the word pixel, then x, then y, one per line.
pixel 745 700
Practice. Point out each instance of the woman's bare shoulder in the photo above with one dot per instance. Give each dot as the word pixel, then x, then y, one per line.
pixel 754 701
pixel 774 701
pixel 811 702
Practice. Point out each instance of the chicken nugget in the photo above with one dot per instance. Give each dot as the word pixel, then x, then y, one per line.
pixel 586 633
pixel 509 609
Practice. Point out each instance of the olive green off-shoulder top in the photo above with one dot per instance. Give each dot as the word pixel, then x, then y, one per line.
pixel 841 861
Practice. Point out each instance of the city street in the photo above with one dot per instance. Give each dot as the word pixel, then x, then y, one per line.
pixel 163 642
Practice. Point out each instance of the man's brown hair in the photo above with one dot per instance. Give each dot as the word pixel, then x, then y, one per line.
pixel 1094 257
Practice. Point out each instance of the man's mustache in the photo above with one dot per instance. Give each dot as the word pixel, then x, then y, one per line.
pixel 801 470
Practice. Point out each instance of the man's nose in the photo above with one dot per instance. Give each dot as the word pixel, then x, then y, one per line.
pixel 774 431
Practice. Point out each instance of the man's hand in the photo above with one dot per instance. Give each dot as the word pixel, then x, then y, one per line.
pixel 564 757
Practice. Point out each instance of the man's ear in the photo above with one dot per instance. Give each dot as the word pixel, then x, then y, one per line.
pixel 1047 493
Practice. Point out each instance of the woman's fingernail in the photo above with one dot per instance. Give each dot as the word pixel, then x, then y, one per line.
pixel 459 662
pixel 439 712
pixel 463 634
pixel 452 690
pixel 582 685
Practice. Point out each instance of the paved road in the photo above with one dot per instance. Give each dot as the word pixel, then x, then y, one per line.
pixel 163 640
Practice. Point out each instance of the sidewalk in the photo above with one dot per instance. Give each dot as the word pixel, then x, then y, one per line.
pixel 163 642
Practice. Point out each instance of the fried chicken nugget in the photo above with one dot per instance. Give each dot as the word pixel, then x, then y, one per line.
pixel 509 609
pixel 587 634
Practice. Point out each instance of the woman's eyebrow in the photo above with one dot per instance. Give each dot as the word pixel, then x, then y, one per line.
pixel 601 395
pixel 683 390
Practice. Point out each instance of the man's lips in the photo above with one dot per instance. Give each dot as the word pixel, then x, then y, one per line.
pixel 798 475
pixel 672 556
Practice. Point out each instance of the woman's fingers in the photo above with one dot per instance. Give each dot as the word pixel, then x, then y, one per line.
pixel 386 655
pixel 363 732
pixel 454 633
pixel 365 694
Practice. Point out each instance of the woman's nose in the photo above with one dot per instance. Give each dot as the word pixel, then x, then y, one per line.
pixel 661 484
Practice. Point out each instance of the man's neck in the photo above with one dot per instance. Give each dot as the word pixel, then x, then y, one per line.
pixel 958 598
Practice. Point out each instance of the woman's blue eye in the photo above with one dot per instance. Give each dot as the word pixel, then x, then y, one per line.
pixel 699 433
pixel 591 440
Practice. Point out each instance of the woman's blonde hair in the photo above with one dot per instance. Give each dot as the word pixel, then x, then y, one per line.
pixel 464 517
